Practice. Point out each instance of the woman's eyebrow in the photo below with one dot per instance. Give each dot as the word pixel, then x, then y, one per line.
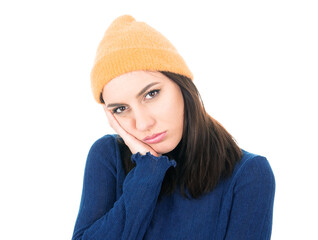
pixel 111 105
pixel 146 88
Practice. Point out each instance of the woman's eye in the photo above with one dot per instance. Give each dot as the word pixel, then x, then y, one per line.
pixel 152 94
pixel 119 109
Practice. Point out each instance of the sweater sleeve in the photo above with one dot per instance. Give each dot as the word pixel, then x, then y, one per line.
pixel 252 203
pixel 100 215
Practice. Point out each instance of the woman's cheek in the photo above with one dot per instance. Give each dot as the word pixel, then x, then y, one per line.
pixel 163 107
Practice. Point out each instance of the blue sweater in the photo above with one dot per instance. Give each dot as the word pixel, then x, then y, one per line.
pixel 116 206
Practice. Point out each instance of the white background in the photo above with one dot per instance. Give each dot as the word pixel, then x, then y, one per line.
pixel 255 64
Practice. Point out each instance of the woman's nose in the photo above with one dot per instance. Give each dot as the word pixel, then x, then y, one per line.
pixel 144 121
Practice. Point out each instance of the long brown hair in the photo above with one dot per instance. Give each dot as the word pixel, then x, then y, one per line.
pixel 206 153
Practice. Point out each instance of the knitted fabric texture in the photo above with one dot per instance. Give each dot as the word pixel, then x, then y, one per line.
pixel 129 46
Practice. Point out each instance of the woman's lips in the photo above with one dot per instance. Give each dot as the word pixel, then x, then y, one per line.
pixel 155 138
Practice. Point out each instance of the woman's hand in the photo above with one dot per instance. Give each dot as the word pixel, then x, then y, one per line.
pixel 133 143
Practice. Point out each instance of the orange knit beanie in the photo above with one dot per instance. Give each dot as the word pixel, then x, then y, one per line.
pixel 129 46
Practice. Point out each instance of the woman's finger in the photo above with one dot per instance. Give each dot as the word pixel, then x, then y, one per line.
pixel 128 138
pixel 114 123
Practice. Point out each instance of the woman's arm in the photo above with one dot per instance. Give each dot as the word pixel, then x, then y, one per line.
pixel 100 215
pixel 252 204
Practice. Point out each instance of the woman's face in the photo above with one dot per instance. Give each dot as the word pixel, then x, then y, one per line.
pixel 149 106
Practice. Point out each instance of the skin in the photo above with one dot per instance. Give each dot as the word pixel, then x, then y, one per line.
pixel 142 103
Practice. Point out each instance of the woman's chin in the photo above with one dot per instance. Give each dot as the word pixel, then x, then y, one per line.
pixel 164 149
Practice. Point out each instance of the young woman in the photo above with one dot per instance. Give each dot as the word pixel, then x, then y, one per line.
pixel 172 171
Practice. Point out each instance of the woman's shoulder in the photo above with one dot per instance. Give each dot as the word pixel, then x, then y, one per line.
pixel 106 141
pixel 251 159
pixel 253 167
pixel 105 150
pixel 104 144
